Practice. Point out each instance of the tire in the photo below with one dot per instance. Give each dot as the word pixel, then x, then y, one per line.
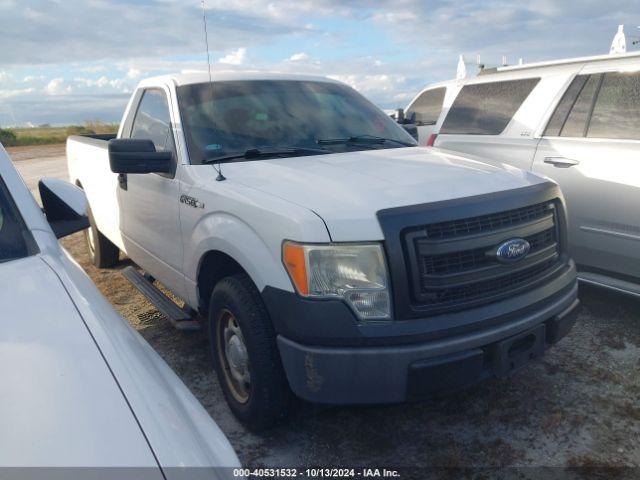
pixel 256 387
pixel 102 252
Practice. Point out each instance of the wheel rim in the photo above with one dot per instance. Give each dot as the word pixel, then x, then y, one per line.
pixel 91 241
pixel 233 355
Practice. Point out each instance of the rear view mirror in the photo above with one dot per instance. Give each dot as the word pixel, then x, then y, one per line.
pixel 132 155
pixel 64 205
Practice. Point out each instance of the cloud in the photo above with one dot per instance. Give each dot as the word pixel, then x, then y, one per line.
pixel 133 73
pixel 79 58
pixel 61 109
pixel 367 84
pixel 236 57
pixel 299 57
pixel 102 29
pixel 57 86
pixel 53 32
pixel 93 68
pixel 6 94
pixel 543 29
pixel 4 77
pixel 120 84
pixel 101 82
pixel 394 18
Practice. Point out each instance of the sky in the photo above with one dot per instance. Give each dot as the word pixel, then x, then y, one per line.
pixel 67 61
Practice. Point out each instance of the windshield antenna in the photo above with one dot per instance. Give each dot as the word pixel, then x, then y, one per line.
pixel 218 167
pixel 206 38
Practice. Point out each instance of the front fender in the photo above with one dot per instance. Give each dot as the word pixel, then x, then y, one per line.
pixel 245 224
pixel 228 234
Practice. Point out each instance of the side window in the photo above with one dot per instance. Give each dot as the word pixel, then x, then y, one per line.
pixel 559 117
pixel 152 120
pixel 427 107
pixel 616 113
pixel 15 240
pixel 576 123
pixel 487 108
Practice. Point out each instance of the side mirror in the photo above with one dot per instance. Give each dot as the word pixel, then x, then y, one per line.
pixel 408 123
pixel 132 155
pixel 411 129
pixel 65 206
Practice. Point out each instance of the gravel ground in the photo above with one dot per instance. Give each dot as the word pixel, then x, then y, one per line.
pixel 579 406
pixel 36 152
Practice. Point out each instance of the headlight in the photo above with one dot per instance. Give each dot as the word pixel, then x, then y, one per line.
pixel 355 273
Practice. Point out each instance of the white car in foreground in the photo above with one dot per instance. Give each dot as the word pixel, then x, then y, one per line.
pixel 80 388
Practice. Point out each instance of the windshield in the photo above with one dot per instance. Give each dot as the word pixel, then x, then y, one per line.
pixel 230 117
pixel 15 239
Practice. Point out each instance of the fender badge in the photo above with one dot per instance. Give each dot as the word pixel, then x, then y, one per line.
pixel 192 202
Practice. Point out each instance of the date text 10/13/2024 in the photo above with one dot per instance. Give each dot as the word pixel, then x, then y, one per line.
pixel 315 473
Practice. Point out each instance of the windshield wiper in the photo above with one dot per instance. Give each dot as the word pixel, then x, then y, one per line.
pixel 362 140
pixel 260 152
pixel 8 259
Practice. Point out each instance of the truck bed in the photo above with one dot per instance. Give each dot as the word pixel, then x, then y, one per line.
pixel 88 164
pixel 96 139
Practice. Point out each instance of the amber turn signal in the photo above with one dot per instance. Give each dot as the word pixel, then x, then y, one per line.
pixel 296 265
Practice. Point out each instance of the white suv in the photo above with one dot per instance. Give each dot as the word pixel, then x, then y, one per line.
pixel 576 121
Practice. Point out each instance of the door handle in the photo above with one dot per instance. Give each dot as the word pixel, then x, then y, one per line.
pixel 561 162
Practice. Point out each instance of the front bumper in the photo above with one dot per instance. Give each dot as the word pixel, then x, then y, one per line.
pixel 405 372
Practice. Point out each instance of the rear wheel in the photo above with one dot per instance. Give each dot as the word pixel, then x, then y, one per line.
pixel 245 354
pixel 102 252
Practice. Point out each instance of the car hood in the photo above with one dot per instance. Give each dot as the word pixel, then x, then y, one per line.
pixel 61 405
pixel 347 189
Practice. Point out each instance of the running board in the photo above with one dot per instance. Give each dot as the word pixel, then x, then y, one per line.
pixel 180 318
pixel 610 283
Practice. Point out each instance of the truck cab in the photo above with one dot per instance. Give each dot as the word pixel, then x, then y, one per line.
pixel 327 255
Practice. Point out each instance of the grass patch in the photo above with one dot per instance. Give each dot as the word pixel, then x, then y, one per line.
pixel 15 137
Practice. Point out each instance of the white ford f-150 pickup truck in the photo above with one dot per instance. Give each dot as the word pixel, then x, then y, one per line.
pixel 329 256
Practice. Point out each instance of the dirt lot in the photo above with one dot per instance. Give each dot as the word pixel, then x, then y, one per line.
pixel 37 153
pixel 579 406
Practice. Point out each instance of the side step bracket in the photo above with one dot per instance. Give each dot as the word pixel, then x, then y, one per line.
pixel 180 318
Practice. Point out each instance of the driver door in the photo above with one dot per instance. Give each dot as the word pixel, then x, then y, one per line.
pixel 151 226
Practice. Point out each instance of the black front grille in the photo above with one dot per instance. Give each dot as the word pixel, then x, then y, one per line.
pixel 486 223
pixel 471 259
pixel 488 289
pixel 454 263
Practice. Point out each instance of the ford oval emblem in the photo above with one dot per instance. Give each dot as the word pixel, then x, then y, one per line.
pixel 513 250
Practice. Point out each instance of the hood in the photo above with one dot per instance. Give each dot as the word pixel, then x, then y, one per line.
pixel 347 189
pixel 60 403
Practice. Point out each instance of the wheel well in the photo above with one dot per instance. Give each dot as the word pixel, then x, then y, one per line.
pixel 214 266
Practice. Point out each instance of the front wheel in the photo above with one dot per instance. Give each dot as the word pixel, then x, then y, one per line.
pixel 245 354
